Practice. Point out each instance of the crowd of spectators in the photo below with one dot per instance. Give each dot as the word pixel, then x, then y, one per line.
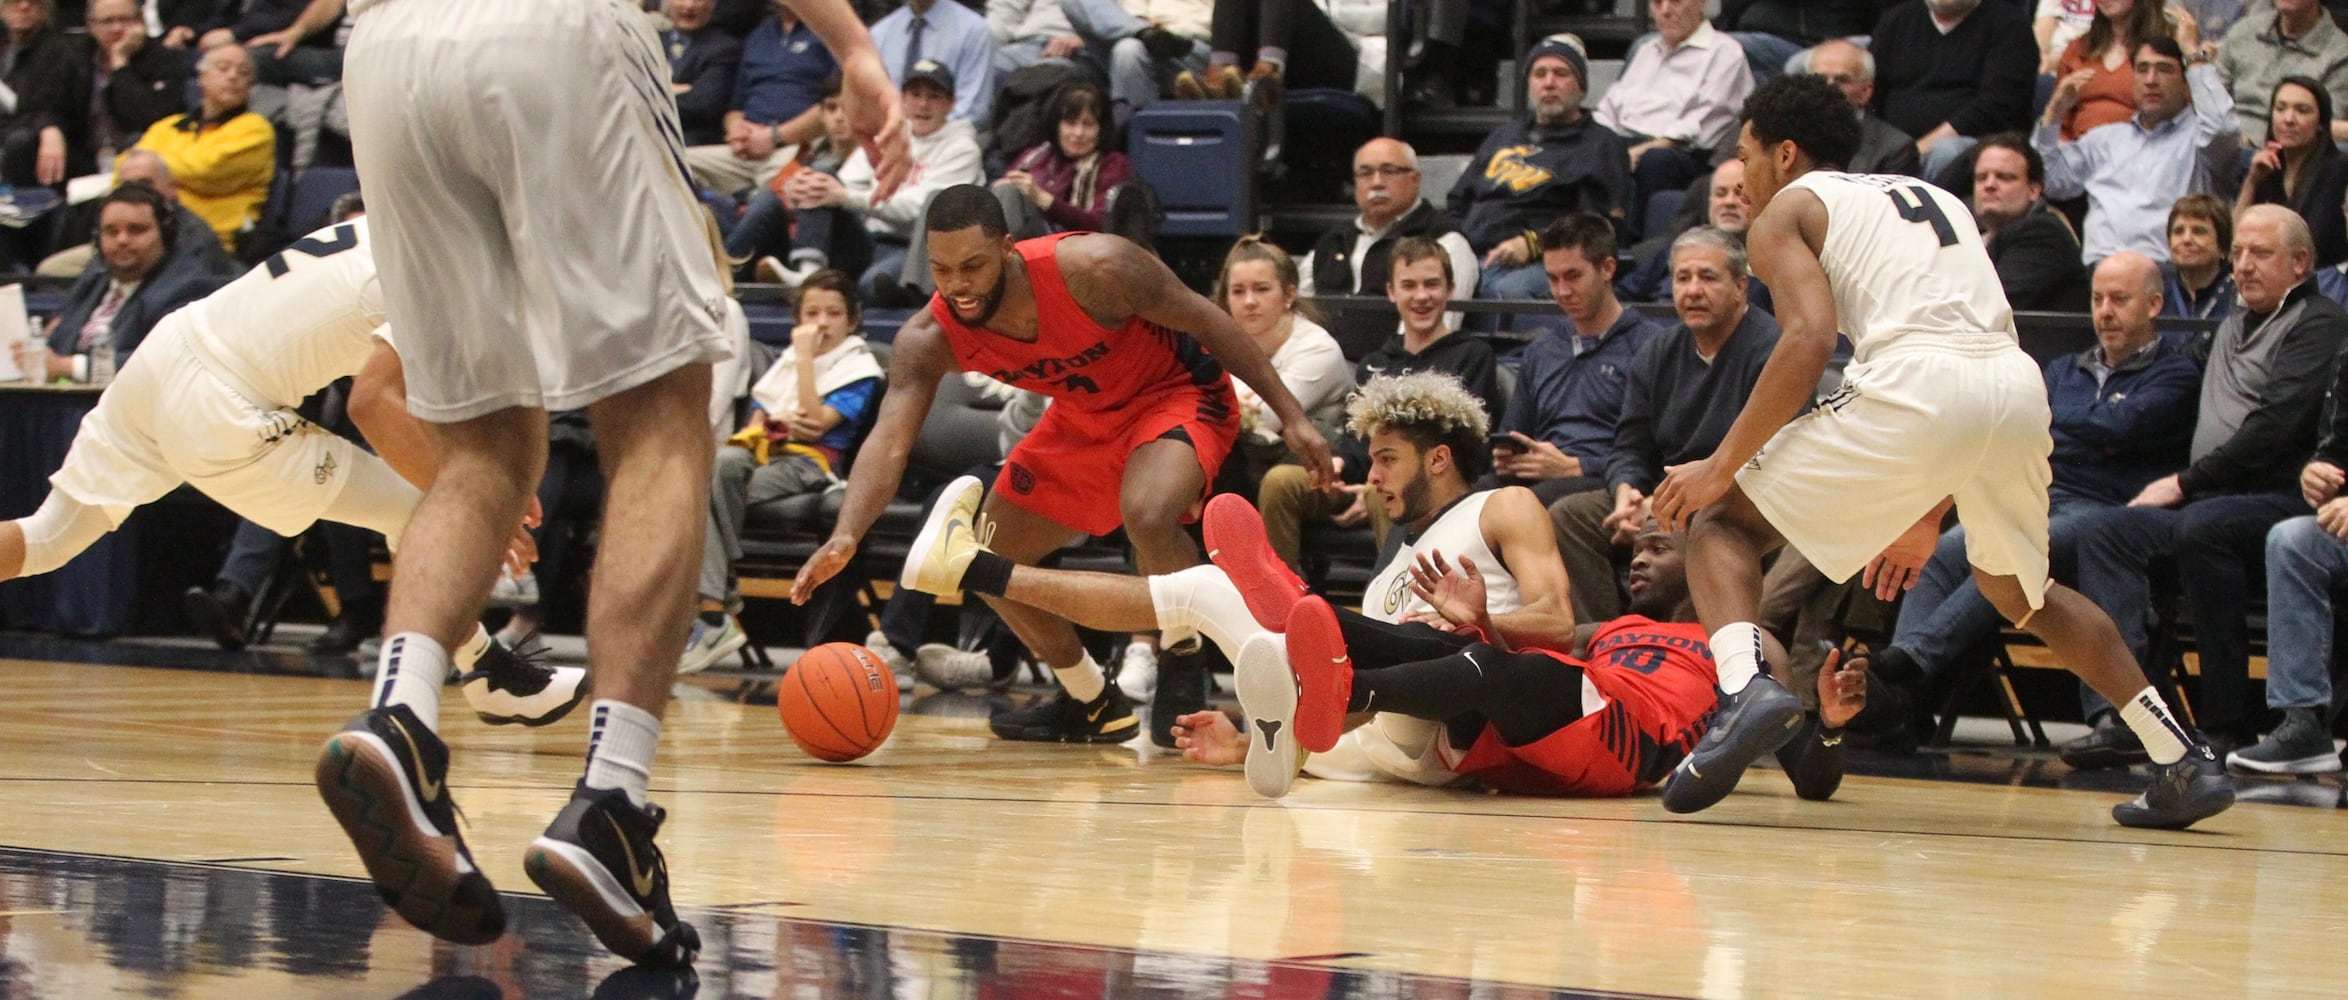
pixel 2134 160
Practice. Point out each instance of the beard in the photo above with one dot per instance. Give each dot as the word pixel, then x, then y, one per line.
pixel 986 309
pixel 1414 498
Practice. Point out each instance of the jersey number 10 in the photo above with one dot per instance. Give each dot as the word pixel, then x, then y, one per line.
pixel 1916 205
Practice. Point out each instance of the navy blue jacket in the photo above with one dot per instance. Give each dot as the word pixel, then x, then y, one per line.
pixel 1524 177
pixel 1574 400
pixel 707 61
pixel 2138 427
pixel 181 280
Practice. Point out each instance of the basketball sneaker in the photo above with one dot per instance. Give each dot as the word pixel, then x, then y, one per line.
pixel 385 777
pixel 899 667
pixel 2301 745
pixel 597 860
pixel 1751 723
pixel 1236 543
pixel 1185 677
pixel 2193 789
pixel 1267 693
pixel 510 686
pixel 1106 719
pixel 952 668
pixel 1324 674
pixel 949 539
pixel 709 645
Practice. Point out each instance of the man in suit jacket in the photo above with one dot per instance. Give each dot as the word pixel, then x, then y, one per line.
pixel 1883 149
pixel 702 64
pixel 135 281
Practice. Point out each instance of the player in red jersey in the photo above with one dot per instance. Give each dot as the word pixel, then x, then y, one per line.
pixel 1142 416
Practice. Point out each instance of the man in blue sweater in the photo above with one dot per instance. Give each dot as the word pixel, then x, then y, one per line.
pixel 2123 417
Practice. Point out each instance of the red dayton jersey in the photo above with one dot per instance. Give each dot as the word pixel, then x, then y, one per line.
pixel 1657 679
pixel 1078 362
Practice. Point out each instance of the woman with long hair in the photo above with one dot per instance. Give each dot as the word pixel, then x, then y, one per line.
pixel 1063 184
pixel 2299 168
pixel 2103 59
pixel 1258 287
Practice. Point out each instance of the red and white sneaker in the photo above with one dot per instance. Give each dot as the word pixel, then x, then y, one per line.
pixel 1324 674
pixel 1237 545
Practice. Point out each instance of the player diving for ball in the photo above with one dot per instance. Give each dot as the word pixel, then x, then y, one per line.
pixel 1473 671
pixel 208 400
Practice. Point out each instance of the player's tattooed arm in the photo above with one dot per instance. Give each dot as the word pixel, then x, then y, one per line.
pixel 1113 280
pixel 919 360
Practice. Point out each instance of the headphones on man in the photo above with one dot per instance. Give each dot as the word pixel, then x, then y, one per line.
pixel 141 193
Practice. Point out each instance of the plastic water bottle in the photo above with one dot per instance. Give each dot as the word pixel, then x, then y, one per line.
pixel 102 361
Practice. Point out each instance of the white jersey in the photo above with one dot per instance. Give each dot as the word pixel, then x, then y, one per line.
pixel 1458 534
pixel 304 318
pixel 1906 262
pixel 1396 747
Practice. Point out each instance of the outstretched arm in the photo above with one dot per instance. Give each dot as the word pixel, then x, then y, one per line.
pixel 379 406
pixel 921 358
pixel 1114 279
pixel 1784 242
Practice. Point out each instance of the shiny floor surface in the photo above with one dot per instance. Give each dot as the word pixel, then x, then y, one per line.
pixel 159 837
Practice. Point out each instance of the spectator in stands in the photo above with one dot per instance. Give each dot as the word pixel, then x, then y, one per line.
pixel 2216 17
pixel 290 41
pixel 703 62
pixel 1529 172
pixel 777 104
pixel 1064 183
pixel 1676 105
pixel 1144 43
pixel 1259 288
pixel 806 413
pixel 2306 562
pixel 132 85
pixel 2197 280
pixel 192 239
pixel 2181 142
pixel 1419 284
pixel 1560 421
pixel 2036 254
pixel 1027 32
pixel 2267 371
pixel 2295 38
pixel 839 224
pixel 223 156
pixel 1953 71
pixel 2099 66
pixel 132 283
pixel 2123 417
pixel 1883 149
pixel 1774 31
pixel 765 226
pixel 951 35
pixel 1353 260
pixel 1681 393
pixel 2300 169
pixel 1724 208
pixel 1292 43
pixel 37 68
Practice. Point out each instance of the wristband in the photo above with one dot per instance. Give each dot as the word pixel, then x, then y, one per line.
pixel 1830 737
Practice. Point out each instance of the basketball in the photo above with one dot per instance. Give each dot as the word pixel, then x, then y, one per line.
pixel 838 702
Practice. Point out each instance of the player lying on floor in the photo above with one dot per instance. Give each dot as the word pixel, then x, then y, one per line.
pixel 1609 718
pixel 1426 437
pixel 208 400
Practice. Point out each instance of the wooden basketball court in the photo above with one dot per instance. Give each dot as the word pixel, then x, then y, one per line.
pixel 161 838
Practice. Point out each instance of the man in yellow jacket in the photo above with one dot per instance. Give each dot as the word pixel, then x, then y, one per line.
pixel 223 156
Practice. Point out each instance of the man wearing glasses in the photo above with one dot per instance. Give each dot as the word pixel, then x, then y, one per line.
pixel 1356 259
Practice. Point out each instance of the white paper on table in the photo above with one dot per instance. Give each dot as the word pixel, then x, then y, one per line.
pixel 15 328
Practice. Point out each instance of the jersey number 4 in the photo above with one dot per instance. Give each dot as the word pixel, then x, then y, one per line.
pixel 1916 205
pixel 344 237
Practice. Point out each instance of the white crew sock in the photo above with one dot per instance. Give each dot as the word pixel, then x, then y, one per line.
pixel 409 671
pixel 2148 717
pixel 1084 680
pixel 619 748
pixel 1736 649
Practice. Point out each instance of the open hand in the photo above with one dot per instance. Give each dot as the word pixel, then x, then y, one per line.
pixel 1210 738
pixel 1689 488
pixel 1842 689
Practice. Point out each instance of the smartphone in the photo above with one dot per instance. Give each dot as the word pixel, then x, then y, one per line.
pixel 1505 442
